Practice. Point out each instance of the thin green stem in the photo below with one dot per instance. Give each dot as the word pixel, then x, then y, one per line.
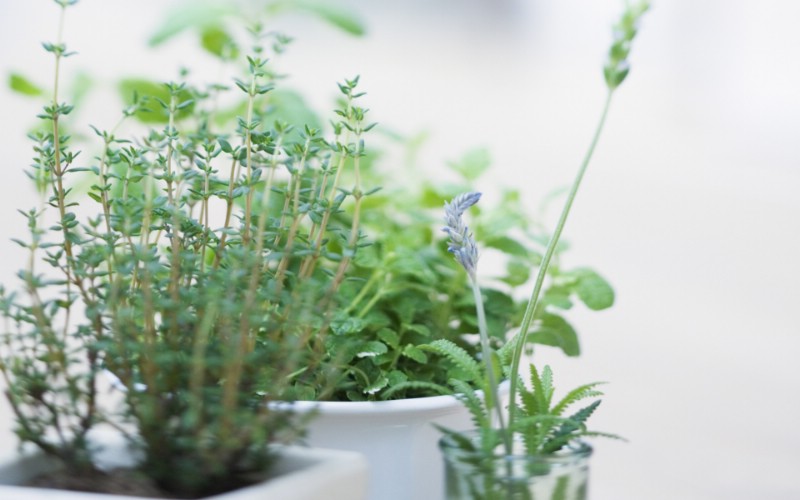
pixel 492 390
pixel 533 303
pixel 248 209
pixel 377 274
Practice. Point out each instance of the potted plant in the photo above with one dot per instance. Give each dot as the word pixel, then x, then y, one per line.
pixel 412 296
pixel 376 389
pixel 179 271
pixel 375 385
pixel 534 449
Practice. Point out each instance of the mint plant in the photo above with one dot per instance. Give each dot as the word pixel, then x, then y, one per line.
pixel 407 292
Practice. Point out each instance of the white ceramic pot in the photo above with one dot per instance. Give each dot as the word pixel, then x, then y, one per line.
pixel 397 437
pixel 299 474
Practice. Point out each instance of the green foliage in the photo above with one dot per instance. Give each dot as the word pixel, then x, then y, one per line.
pixel 472 164
pixel 22 85
pixel 533 418
pixel 407 291
pixel 210 18
pixel 542 432
pixel 218 42
pixel 469 368
pixel 541 423
pixel 617 68
pixel 156 95
pixel 554 330
pixel 329 12
pixel 204 323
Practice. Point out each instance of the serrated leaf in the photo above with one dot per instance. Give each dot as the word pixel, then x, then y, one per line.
pixel 458 356
pixel 575 395
pixel 475 405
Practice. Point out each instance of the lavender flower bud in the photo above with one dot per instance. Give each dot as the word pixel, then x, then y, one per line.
pixel 462 245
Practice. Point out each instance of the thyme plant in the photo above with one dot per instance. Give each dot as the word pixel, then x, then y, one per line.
pixel 202 268
pixel 531 414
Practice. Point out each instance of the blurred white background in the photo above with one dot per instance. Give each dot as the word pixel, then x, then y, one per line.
pixel 690 209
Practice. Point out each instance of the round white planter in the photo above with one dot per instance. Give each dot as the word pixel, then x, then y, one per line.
pixel 397 437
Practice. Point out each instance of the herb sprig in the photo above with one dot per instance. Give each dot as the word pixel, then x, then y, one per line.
pixel 541 425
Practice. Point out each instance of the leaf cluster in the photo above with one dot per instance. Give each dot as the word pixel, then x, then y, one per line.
pixel 201 266
pixel 406 292
pixel 545 428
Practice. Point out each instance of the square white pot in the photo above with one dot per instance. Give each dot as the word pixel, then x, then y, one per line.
pixel 298 474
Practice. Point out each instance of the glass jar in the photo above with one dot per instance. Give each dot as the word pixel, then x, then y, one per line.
pixel 476 475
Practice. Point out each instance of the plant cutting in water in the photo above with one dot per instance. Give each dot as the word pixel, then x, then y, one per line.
pixel 532 417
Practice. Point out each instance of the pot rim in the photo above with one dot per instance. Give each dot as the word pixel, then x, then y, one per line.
pixel 393 406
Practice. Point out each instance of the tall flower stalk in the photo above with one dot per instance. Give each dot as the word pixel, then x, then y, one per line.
pixel 463 246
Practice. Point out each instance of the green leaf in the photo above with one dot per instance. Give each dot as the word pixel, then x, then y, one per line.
pixel 217 41
pixel 390 337
pixel 557 296
pixel 225 145
pixel 542 388
pixel 458 356
pixel 128 87
pixel 347 326
pixel 376 386
pixel 418 385
pixel 79 87
pixel 435 196
pixel 290 106
pixel 582 392
pixel 507 245
pixel 518 273
pixel 477 408
pixel 473 164
pixel 419 329
pixel 415 353
pixel 553 330
pixel 194 14
pixel 22 85
pixel 335 15
pixel 371 349
pixel 593 289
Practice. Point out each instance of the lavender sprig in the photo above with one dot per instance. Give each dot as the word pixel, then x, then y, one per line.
pixel 462 244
